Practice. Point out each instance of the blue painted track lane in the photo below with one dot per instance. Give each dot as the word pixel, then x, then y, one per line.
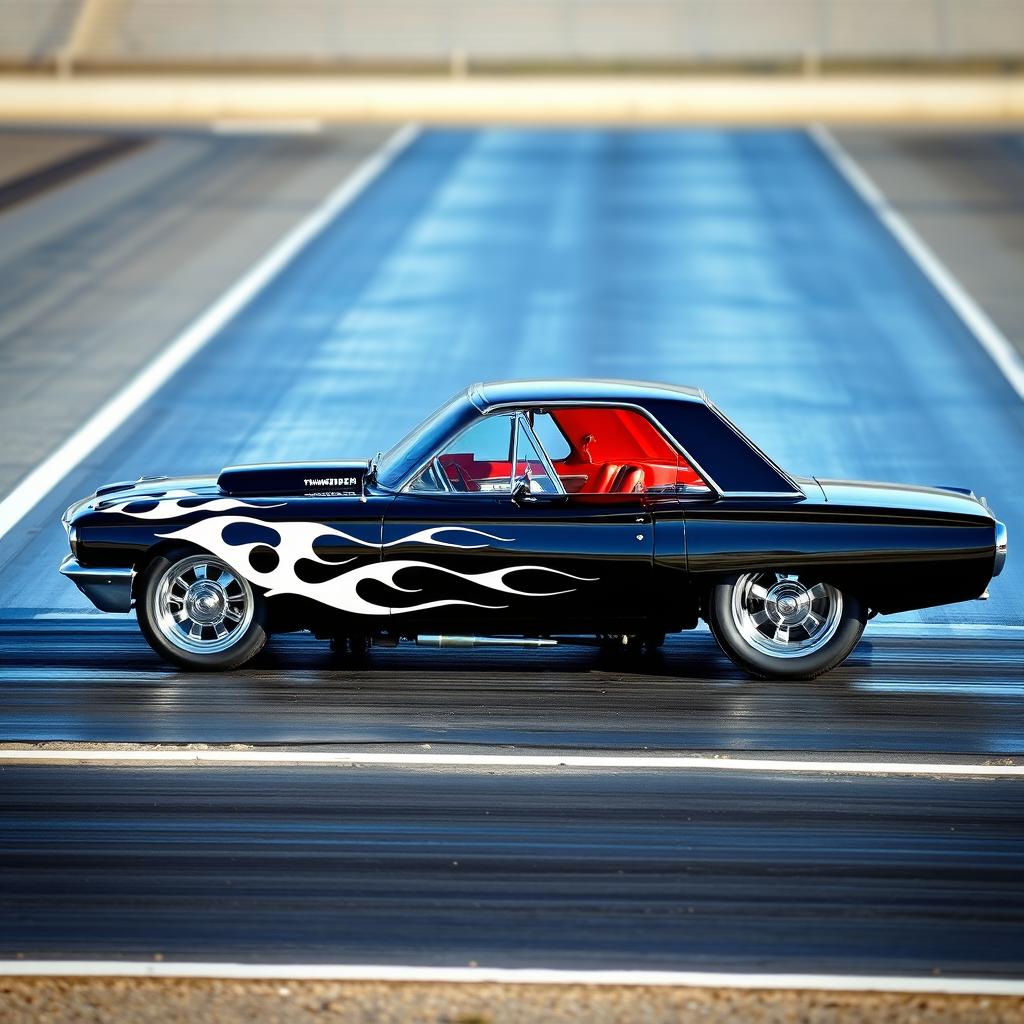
pixel 739 261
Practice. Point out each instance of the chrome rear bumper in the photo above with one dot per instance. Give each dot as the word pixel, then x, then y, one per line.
pixel 109 589
pixel 1001 547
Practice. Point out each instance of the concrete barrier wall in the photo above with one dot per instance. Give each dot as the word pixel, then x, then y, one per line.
pixel 530 31
pixel 32 32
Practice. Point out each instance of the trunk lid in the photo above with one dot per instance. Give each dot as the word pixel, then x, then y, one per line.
pixel 904 497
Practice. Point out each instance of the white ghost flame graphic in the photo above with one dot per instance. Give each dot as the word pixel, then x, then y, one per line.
pixel 169 505
pixel 297 539
pixel 430 537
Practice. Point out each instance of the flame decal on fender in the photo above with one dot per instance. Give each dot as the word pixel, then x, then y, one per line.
pixel 341 592
pixel 169 505
pixel 430 537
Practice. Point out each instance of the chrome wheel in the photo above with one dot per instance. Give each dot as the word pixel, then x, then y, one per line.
pixel 782 617
pixel 201 605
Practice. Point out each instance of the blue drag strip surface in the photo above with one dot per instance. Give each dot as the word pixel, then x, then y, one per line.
pixel 738 261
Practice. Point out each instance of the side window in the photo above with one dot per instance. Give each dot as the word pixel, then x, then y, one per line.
pixel 479 459
pixel 530 465
pixel 551 437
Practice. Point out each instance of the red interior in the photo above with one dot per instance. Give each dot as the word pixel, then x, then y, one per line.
pixel 617 451
pixel 613 451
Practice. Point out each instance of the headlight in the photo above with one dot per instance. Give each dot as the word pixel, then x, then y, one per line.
pixel 72 538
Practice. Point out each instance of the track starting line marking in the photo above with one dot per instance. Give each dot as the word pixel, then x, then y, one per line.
pixel 424 760
pixel 512 976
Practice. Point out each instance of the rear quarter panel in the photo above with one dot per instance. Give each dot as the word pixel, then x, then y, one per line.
pixel 894 559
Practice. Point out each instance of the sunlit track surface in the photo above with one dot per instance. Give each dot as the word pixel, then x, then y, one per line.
pixel 738 261
pixel 554 869
pixel 680 256
pixel 75 681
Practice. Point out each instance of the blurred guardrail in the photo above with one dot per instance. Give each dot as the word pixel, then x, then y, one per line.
pixel 493 34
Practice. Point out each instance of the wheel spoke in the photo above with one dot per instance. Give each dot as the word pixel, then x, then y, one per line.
pixel 778 615
pixel 202 605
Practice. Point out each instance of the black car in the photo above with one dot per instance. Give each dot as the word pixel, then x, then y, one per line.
pixel 530 513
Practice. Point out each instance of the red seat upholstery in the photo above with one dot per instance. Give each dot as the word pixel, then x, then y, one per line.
pixel 602 478
pixel 629 480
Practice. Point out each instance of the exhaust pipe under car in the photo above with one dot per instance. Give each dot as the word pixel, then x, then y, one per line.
pixel 437 640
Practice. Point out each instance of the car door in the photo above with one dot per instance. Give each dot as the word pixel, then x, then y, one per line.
pixel 506 550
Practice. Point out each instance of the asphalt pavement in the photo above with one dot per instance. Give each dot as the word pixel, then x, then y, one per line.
pixel 639 869
pixel 740 261
pixel 101 265
pixel 964 194
pixel 78 682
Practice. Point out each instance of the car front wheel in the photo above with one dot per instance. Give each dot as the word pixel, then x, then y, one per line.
pixel 784 626
pixel 198 613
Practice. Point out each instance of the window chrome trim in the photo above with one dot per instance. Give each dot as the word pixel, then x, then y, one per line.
pixel 650 417
pixel 512 409
pixel 545 460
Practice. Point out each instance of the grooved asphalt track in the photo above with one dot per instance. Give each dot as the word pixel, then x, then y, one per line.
pixel 562 869
pixel 738 261
pixel 895 694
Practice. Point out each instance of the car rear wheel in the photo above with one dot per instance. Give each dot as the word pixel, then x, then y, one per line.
pixel 785 626
pixel 198 613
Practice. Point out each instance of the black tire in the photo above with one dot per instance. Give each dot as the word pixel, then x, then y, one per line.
pixel 237 650
pixel 743 652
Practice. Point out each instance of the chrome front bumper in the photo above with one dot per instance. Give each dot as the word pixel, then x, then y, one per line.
pixel 109 589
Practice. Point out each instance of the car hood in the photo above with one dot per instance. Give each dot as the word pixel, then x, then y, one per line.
pixel 155 487
pixel 309 478
pixel 940 501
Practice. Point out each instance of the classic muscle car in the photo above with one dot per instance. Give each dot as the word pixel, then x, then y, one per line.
pixel 532 513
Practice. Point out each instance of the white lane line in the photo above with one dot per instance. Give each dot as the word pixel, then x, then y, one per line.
pixel 96 616
pixel 978 322
pixel 512 976
pixel 946 630
pixel 45 477
pixel 410 759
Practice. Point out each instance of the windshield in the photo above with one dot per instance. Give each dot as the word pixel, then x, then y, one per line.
pixel 423 441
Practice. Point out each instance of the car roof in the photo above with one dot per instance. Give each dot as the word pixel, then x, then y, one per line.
pixel 554 390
